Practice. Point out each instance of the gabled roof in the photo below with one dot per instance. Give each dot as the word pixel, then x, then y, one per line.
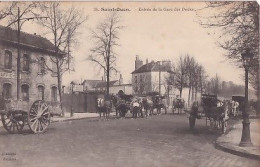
pixel 104 84
pixel 153 67
pixel 92 83
pixel 28 40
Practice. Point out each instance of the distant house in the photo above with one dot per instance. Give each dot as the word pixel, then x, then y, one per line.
pixel 151 77
pixel 100 85
pixel 90 85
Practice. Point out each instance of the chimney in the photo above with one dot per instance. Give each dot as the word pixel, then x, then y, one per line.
pixel 146 61
pixel 120 80
pixel 138 62
pixel 34 33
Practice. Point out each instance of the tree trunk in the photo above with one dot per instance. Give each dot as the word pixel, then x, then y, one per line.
pixel 189 95
pixel 258 93
pixel 18 57
pixel 60 89
pixel 181 91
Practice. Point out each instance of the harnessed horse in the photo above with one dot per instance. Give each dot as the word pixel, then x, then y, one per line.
pixel 148 106
pixel 104 106
pixel 178 104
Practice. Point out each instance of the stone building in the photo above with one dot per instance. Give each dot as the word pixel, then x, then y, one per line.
pixel 151 77
pixel 100 85
pixel 36 81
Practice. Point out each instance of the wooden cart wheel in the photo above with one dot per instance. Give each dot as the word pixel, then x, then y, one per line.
pixel 192 121
pixel 13 121
pixel 39 116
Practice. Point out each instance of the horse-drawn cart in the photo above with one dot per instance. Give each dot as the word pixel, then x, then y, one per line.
pixel 16 114
pixel 212 109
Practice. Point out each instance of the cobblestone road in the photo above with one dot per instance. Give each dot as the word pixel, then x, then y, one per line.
pixel 157 141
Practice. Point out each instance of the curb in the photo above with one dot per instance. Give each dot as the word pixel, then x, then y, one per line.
pixel 234 151
pixel 72 119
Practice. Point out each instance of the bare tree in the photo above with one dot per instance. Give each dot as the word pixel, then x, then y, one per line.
pixel 106 38
pixel 238 23
pixel 180 75
pixel 17 13
pixel 215 85
pixel 7 9
pixel 190 66
pixel 61 25
pixel 202 78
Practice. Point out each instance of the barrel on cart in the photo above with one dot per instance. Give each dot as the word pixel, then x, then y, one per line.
pixel 15 114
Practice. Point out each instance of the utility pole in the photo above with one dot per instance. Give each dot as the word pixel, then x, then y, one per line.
pixel 18 56
pixel 19 22
pixel 159 78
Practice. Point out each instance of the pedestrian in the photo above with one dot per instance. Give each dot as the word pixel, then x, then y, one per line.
pixel 136 106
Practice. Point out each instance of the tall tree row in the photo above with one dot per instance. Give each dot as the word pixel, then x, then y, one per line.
pixel 237 26
pixel 188 74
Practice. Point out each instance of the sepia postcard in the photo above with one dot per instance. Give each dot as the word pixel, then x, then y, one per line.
pixel 132 84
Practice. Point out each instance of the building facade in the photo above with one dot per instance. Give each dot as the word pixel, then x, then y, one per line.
pixel 36 82
pixel 152 77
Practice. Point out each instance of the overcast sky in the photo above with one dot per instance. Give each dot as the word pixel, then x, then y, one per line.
pixel 153 35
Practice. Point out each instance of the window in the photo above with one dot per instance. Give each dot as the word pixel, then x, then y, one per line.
pixel 40 92
pixel 8 60
pixel 7 90
pixel 25 92
pixel 54 67
pixel 54 93
pixel 135 79
pixel 42 65
pixel 26 61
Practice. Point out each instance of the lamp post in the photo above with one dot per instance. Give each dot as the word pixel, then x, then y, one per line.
pixel 72 109
pixel 245 138
pixel 159 78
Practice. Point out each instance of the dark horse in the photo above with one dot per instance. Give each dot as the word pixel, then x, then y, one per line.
pixel 148 106
pixel 104 106
pixel 122 104
pixel 178 104
pixel 159 103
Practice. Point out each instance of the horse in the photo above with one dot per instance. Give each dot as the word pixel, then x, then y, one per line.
pixel 104 106
pixel 218 115
pixel 178 104
pixel 148 106
pixel 121 108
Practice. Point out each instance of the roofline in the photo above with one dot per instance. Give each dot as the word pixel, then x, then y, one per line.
pixel 153 71
pixel 31 46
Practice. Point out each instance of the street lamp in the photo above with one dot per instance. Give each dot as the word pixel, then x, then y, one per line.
pixel 246 139
pixel 72 109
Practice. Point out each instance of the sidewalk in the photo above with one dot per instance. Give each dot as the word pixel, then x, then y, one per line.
pixel 230 142
pixel 75 116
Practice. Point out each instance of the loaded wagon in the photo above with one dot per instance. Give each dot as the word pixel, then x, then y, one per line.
pixel 16 114
pixel 213 110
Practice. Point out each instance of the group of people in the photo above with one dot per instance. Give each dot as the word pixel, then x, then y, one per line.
pixel 138 106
